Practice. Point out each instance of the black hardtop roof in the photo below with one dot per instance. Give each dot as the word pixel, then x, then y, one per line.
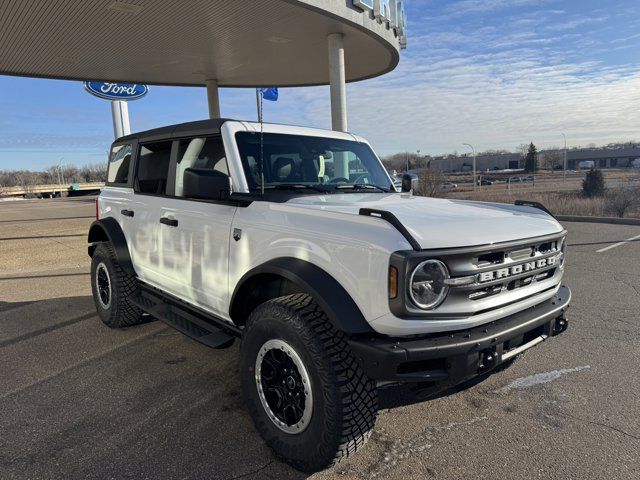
pixel 199 127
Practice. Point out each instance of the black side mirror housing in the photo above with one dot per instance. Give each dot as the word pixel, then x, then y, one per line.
pixel 409 182
pixel 205 184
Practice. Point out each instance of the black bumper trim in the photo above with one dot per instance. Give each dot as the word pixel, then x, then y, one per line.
pixel 454 357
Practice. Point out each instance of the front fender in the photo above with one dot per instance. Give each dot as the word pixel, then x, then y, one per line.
pixel 334 300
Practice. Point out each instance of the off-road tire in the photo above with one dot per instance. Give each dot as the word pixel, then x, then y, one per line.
pixel 345 400
pixel 120 312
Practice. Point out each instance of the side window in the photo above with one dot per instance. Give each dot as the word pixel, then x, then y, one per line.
pixel 199 153
pixel 153 168
pixel 119 162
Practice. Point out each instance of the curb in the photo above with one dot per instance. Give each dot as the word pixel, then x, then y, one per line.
pixel 612 220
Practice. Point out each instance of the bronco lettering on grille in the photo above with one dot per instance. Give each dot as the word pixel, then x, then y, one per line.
pixel 506 272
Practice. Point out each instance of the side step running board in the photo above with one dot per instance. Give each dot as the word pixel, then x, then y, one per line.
pixel 195 323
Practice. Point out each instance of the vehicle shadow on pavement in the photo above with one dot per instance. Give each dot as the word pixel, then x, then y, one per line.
pixel 80 400
pixel 403 395
pixel 6 306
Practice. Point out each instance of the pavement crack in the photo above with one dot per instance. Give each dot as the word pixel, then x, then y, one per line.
pixel 252 472
pixel 67 246
pixel 618 279
pixel 39 237
pixel 591 270
pixel 600 424
pixel 625 322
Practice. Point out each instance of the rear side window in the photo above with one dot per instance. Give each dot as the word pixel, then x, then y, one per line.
pixel 153 168
pixel 119 162
pixel 199 153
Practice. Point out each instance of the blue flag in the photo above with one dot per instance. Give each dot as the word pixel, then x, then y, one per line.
pixel 269 94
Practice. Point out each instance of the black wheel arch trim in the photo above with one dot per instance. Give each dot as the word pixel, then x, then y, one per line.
pixel 109 230
pixel 341 310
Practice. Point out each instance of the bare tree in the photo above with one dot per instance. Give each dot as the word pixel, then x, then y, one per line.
pixel 52 175
pixel 523 148
pixel 398 161
pixel 430 183
pixel 622 199
pixel 551 159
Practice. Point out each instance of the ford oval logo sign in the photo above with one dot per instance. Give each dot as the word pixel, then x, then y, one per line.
pixel 116 91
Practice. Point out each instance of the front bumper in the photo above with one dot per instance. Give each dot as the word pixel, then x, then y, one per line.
pixel 453 357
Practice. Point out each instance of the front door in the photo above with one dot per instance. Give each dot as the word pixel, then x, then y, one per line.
pixel 195 247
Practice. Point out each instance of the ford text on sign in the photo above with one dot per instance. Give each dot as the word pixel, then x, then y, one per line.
pixel 116 91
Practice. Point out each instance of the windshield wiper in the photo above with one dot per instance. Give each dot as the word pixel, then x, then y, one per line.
pixel 296 186
pixel 362 186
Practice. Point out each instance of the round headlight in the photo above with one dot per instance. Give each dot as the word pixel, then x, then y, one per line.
pixel 427 287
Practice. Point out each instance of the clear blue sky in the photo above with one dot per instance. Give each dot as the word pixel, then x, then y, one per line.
pixel 495 73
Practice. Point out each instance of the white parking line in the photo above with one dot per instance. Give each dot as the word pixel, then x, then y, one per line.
pixel 618 244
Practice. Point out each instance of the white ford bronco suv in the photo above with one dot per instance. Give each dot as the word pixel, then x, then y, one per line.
pixel 295 241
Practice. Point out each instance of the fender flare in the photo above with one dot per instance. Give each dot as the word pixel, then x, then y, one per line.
pixel 109 230
pixel 334 300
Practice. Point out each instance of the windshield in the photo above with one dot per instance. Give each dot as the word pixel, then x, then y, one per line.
pixel 320 163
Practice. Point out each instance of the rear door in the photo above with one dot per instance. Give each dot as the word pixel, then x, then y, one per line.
pixel 195 251
pixel 115 199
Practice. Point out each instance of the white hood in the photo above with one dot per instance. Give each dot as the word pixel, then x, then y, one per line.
pixel 443 223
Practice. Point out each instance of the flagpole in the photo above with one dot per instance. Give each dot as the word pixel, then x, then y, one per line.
pixel 258 105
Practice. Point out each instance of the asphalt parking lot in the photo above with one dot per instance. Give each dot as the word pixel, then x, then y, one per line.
pixel 78 400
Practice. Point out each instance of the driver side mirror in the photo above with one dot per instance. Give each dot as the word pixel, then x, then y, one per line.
pixel 205 184
pixel 409 182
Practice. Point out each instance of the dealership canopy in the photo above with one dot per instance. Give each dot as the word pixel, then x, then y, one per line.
pixel 227 43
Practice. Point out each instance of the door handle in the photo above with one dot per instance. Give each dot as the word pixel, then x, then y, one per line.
pixel 127 213
pixel 172 222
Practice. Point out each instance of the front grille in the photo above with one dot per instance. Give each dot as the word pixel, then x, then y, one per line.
pixel 498 275
pixel 509 268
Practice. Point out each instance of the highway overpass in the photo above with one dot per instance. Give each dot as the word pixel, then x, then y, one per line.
pixel 49 191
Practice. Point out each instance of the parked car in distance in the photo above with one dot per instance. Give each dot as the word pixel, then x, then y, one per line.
pixel 486 181
pixel 515 180
pixel 586 164
pixel 530 178
pixel 448 185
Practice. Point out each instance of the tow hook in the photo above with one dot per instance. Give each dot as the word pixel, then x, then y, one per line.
pixel 560 326
pixel 488 358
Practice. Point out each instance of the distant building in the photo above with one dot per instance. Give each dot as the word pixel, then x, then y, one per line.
pixel 603 157
pixel 499 161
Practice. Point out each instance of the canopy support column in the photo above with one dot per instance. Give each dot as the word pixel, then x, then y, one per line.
pixel 213 99
pixel 120 116
pixel 337 82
